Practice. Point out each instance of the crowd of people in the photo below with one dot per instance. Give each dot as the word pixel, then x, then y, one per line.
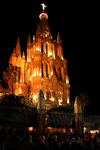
pixel 49 141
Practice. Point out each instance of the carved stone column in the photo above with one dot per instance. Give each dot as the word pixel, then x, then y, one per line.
pixel 78 116
pixel 41 113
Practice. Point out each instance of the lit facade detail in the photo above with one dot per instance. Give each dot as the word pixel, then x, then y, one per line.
pixel 43 68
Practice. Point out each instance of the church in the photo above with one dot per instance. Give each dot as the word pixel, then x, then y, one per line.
pixel 43 68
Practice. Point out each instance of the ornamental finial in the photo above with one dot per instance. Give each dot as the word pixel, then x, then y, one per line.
pixel 43 6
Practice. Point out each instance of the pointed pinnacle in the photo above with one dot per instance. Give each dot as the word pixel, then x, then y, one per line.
pixel 18 48
pixel 58 38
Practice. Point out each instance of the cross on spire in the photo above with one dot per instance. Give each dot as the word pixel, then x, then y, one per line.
pixel 43 6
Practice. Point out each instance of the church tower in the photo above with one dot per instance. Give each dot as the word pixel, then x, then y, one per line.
pixel 44 67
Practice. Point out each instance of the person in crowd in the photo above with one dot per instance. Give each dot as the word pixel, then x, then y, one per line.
pixel 25 139
pixel 96 142
pixel 88 140
pixel 73 141
pixel 5 138
pixel 1 136
pixel 41 143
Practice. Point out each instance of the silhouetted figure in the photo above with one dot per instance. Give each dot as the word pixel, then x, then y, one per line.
pixel 88 140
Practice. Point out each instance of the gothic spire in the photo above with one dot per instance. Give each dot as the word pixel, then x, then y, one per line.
pixel 18 48
pixel 58 38
pixel 29 41
pixel 14 52
pixel 44 27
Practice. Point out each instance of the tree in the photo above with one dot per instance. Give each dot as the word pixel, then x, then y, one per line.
pixel 9 77
pixel 84 99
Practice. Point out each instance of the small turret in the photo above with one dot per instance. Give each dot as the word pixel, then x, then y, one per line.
pixel 23 55
pixel 14 52
pixel 59 47
pixel 13 58
pixel 28 51
pixel 29 41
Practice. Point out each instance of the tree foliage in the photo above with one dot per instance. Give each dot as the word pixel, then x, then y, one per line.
pixel 25 102
pixel 84 99
pixel 8 77
pixel 66 109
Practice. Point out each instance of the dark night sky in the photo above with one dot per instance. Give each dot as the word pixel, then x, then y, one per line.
pixel 78 24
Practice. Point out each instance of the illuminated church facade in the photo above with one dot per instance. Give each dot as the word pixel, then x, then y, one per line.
pixel 43 68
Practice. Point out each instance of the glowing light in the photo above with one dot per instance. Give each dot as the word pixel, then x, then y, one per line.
pixel 43 6
pixel 21 80
pixel 20 90
pixel 33 37
pixel 59 100
pixel 23 55
pixel 37 73
pixel 52 99
pixel 38 50
pixel 94 131
pixel 1 94
pixel 34 99
pixel 43 15
pixel 30 129
pixel 67 101
pixel 49 128
pixel 67 80
pixel 84 129
pixel 51 73
pixel 40 74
